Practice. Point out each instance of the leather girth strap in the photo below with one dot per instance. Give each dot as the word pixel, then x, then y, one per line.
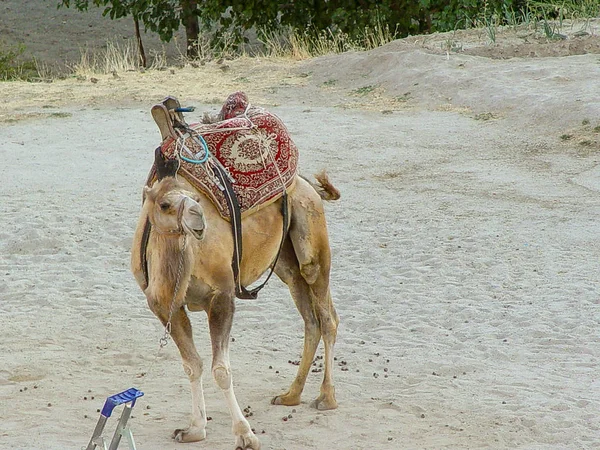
pixel 236 228
pixel 167 117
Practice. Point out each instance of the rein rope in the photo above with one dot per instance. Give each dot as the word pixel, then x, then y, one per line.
pixel 165 339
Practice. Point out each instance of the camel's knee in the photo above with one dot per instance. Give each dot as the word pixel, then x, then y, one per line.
pixel 329 321
pixel 310 271
pixel 222 376
pixel 193 370
pixel 311 326
pixel 329 329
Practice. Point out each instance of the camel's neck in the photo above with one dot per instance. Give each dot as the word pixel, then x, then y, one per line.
pixel 170 262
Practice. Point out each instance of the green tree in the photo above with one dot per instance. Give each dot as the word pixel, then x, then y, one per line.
pixel 161 16
pixel 351 17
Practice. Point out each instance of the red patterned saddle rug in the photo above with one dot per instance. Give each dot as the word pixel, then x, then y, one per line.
pixel 253 146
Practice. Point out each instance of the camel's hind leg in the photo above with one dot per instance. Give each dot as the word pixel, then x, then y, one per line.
pixel 288 270
pixel 181 332
pixel 304 266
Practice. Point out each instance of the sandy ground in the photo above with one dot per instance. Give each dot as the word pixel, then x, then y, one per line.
pixel 465 252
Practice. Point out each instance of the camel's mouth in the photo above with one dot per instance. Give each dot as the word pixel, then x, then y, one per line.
pixel 198 234
pixel 194 223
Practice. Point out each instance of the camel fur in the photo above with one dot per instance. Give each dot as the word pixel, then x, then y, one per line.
pixel 189 252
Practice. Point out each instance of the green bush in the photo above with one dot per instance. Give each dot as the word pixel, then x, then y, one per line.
pixel 13 67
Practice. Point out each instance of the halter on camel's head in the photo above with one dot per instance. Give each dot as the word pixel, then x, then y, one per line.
pixel 173 210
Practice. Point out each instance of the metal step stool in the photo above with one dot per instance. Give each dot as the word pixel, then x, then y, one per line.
pixel 127 398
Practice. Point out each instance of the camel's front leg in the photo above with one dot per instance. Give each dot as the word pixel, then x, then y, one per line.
pixel 181 332
pixel 220 318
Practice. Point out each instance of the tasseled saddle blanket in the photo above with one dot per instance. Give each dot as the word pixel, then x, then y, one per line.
pixel 251 144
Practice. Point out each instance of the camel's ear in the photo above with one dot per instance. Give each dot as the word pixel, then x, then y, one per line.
pixel 164 167
pixel 145 193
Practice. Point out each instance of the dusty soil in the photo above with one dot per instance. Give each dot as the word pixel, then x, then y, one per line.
pixel 465 245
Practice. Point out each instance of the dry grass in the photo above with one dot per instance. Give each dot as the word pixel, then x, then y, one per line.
pixel 115 58
pixel 207 84
pixel 300 45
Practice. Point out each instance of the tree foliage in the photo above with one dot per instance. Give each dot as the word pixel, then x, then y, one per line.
pixel 164 17
pixel 160 16
pixel 351 17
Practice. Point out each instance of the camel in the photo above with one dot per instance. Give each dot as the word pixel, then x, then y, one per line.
pixel 189 259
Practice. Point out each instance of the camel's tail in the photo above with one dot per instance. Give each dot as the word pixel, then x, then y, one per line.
pixel 324 188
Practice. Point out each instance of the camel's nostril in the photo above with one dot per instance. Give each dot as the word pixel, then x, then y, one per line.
pixel 198 233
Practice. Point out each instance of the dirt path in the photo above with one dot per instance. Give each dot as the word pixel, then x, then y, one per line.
pixel 465 251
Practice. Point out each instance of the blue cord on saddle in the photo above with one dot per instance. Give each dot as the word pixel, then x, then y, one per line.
pixel 200 140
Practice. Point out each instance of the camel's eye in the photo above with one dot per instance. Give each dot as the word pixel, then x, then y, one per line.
pixel 164 206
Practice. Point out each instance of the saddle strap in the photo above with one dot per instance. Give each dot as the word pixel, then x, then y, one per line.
pixel 236 229
pixel 143 247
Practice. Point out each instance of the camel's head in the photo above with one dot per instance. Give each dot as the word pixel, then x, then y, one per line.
pixel 171 208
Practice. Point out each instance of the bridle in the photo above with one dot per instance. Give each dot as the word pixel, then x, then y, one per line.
pixel 179 230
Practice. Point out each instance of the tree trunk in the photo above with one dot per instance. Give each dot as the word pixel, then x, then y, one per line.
pixel 138 38
pixel 189 19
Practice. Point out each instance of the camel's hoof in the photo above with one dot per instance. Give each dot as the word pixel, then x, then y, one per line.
pixel 323 403
pixel 286 400
pixel 191 434
pixel 247 441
